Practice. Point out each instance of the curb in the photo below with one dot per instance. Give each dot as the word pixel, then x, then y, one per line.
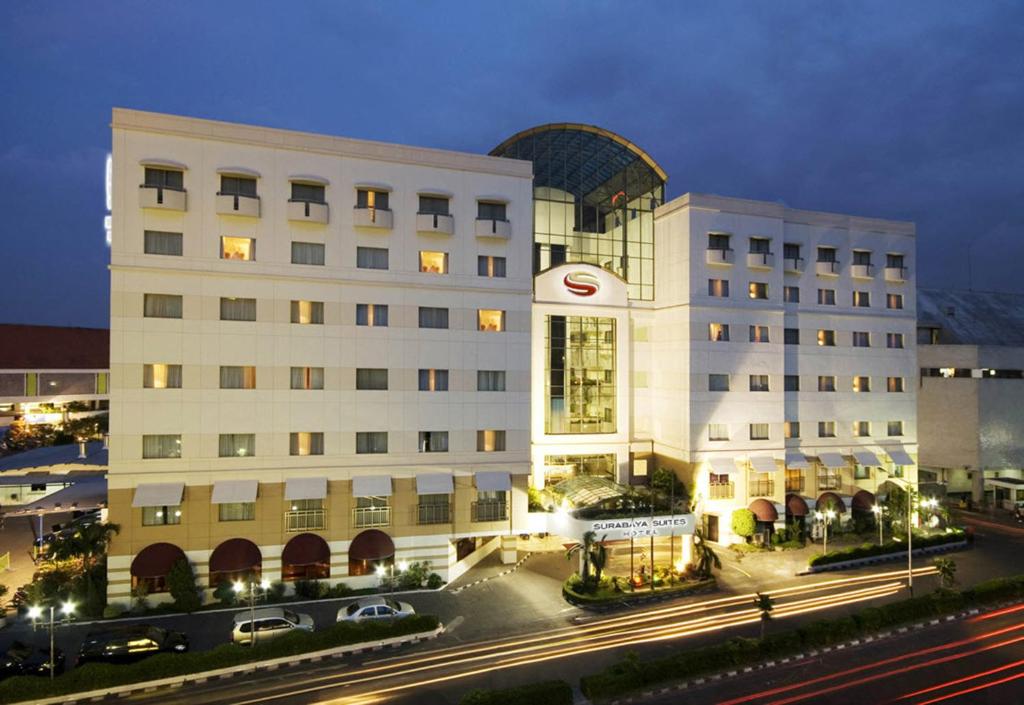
pixel 502 574
pixel 886 558
pixel 639 599
pixel 245 668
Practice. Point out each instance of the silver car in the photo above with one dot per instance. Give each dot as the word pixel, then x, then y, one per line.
pixel 270 622
pixel 374 608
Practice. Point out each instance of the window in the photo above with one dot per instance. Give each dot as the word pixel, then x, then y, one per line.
pixel 719 332
pixel 490 441
pixel 490 266
pixel 759 383
pixel 894 261
pixel 759 432
pixel 307 378
pixel 826 429
pixel 490 380
pixel 758 334
pixel 313 193
pixel 490 320
pixel 718 383
pixel 433 262
pixel 861 429
pixel 372 257
pixel 308 253
pixel 239 248
pixel 371 442
pixel 927 336
pixel 306 443
pixel 371 379
pixel 719 288
pixel 431 317
pixel 791 429
pixel 862 257
pixel 757 290
pixel 158 242
pixel 372 315
pixel 308 312
pixel 894 301
pixel 895 428
pixel 826 254
pixel 791 294
pixel 791 336
pixel 433 380
pixel 718 432
pixel 827 297
pixel 718 241
pixel 827 338
pixel 490 210
pixel 862 384
pixel 861 339
pixel 760 246
pixel 369 198
pixel 894 340
pixel 437 205
pixel 826 383
pixel 237 445
pixel 791 250
pixel 161 446
pixel 161 376
pixel 792 383
pixel 237 377
pixel 433 442
pixel 160 516
pixel 894 384
pixel 232 309
pixel 236 511
pixel 165 178
pixel 237 186
pixel 861 299
pixel 161 306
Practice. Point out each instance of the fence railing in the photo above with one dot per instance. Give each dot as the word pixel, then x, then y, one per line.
pixel 305 520
pixel 363 517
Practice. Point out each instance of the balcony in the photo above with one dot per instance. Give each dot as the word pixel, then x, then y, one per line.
pixel 794 264
pixel 308 212
pixel 234 204
pixel 760 260
pixel 365 517
pixel 896 274
pixel 829 481
pixel 720 257
pixel 761 488
pixel 862 271
pixel 305 520
pixel 373 218
pixel 434 514
pixel 826 269
pixel 489 227
pixel 795 483
pixel 490 510
pixel 161 198
pixel 435 223
pixel 721 490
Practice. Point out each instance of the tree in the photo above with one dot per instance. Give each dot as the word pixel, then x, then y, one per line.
pixel 764 603
pixel 670 488
pixel 744 523
pixel 584 549
pixel 88 543
pixel 599 557
pixel 947 572
pixel 706 556
pixel 181 583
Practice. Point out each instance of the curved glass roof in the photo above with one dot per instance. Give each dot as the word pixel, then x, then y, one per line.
pixel 585 490
pixel 592 163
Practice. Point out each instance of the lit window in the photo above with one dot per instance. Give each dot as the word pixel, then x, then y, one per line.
pixel 718 432
pixel 758 290
pixel 826 337
pixel 718 332
pixel 240 248
pixel 161 376
pixel 433 442
pixel 792 429
pixel 307 378
pixel 161 446
pixel 238 377
pixel 862 429
pixel 861 299
pixel 237 445
pixel 308 312
pixel 372 315
pixel 894 301
pixel 159 516
pixel 490 320
pixel 432 380
pixel 826 383
pixel 433 262
pixel 369 198
pixel 862 384
pixel 306 443
pixel 759 383
pixel 759 334
pixel 719 288
pixel 894 384
pixel 236 511
pixel 490 441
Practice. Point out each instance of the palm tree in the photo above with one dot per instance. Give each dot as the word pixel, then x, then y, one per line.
pixel 599 557
pixel 584 549
pixel 706 556
pixel 89 543
pixel 764 603
pixel 947 571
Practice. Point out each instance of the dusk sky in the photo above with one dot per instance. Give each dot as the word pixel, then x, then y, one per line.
pixel 907 110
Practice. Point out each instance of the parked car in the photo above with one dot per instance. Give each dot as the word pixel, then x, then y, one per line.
pixel 271 622
pixel 131 643
pixel 23 659
pixel 375 608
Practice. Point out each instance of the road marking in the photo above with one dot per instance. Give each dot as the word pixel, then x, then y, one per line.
pixel 742 571
pixel 450 627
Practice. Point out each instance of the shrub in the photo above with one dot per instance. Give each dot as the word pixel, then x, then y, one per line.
pixel 310 589
pixel 743 523
pixel 340 590
pixel 181 582
pixel 276 591
pixel 225 594
pixel 434 581
pixel 413 577
pixel 869 550
pixel 114 610
pixel 544 693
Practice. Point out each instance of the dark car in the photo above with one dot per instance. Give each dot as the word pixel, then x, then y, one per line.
pixel 131 643
pixel 28 660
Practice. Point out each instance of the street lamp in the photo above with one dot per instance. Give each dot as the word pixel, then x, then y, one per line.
pixel 389 571
pixel 35 612
pixel 240 587
pixel 877 511
pixel 825 517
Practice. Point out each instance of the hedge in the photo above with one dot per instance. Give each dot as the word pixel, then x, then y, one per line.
pixel 869 550
pixel 633 674
pixel 682 588
pixel 94 676
pixel 543 693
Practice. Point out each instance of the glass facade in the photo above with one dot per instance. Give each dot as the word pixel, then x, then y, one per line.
pixel 579 389
pixel 563 467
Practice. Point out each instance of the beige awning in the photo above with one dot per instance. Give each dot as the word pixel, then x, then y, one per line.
pixel 723 465
pixel 900 457
pixel 493 481
pixel 305 488
pixel 796 460
pixel 832 460
pixel 866 457
pixel 158 494
pixel 435 483
pixel 763 463
pixel 371 486
pixel 234 491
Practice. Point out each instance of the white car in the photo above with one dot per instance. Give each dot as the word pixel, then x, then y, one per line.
pixel 270 622
pixel 375 608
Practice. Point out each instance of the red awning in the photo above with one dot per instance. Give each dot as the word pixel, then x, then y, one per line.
pixel 371 545
pixel 830 500
pixel 306 549
pixel 234 556
pixel 155 560
pixel 796 505
pixel 764 510
pixel 863 501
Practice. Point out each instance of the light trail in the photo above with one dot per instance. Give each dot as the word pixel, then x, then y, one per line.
pixel 965 679
pixel 974 689
pixel 997 613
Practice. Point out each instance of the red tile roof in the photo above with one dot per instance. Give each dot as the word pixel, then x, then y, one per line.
pixel 25 347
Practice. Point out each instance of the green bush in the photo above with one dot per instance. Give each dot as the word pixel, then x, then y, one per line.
pixel 434 581
pixel 340 590
pixel 310 589
pixel 413 577
pixel 544 693
pixel 744 523
pixel 869 550
pixel 181 582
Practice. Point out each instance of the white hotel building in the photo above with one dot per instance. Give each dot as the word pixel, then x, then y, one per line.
pixel 331 354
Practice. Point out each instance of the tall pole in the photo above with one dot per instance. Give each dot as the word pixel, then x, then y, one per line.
pixel 51 642
pixel 252 611
pixel 652 537
pixel 825 546
pixel 878 518
pixel 910 545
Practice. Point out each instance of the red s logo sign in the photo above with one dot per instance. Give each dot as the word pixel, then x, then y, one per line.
pixel 581 283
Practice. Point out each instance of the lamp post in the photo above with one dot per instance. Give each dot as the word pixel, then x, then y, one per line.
pixel 825 517
pixel 35 612
pixel 877 511
pixel 251 584
pixel 390 572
